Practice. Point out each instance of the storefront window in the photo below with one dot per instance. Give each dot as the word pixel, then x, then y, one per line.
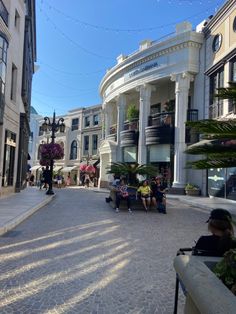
pixel 216 105
pixel 222 182
pixel 130 154
pixel 9 158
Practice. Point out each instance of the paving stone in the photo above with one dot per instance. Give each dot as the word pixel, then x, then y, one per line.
pixel 76 255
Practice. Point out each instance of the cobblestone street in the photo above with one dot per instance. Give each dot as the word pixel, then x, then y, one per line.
pixel 76 255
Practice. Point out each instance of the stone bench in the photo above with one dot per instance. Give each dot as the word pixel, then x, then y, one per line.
pixel 136 204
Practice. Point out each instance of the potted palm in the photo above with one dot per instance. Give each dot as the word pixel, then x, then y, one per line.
pixel 132 116
pixel 192 189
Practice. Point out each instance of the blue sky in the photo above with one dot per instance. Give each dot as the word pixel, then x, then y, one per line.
pixel 78 40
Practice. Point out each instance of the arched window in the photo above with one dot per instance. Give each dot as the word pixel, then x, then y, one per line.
pixel 73 150
pixel 63 147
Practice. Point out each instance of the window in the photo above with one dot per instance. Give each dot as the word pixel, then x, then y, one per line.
pixel 155 108
pixel 73 150
pixel 41 131
pixel 86 144
pixel 4 13
pixel 75 124
pixel 234 24
pixel 233 70
pixel 3 63
pixel 95 144
pixel 86 122
pixel 17 20
pixel 13 82
pixel 217 41
pixel 9 158
pixel 95 119
pixel 130 154
pixel 232 78
pixel 216 105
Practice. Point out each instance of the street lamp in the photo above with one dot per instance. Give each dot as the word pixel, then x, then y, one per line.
pixel 53 127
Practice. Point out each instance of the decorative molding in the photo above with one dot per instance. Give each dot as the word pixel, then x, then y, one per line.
pixel 119 72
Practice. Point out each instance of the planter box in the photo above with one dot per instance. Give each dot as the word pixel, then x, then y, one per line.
pixel 206 294
pixel 193 192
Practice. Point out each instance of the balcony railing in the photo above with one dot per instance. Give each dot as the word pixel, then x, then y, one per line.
pixel 4 13
pixel 162 119
pixel 112 129
pixel 131 125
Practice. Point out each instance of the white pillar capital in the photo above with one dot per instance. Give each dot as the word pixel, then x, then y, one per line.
pixel 182 80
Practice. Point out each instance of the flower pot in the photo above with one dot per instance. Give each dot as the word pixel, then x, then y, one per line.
pixel 192 192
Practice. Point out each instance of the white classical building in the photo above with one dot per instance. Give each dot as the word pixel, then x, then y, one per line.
pixel 161 80
pixel 80 141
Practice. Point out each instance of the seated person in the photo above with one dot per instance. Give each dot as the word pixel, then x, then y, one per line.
pixel 122 193
pixel 158 194
pixel 145 192
pixel 222 238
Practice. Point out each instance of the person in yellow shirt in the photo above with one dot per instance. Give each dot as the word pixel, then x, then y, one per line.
pixel 145 193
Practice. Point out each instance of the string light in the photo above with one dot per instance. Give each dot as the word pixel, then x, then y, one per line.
pixel 72 41
pixel 70 96
pixel 71 73
pixel 139 30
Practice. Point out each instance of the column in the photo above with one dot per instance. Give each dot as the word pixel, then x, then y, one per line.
pixel 121 103
pixel 107 119
pixel 182 84
pixel 144 111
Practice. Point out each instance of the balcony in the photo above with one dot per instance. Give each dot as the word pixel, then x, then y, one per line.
pixel 112 133
pixel 4 13
pixel 129 137
pixel 160 129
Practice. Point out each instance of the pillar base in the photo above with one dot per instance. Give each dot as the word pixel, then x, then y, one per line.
pixel 177 191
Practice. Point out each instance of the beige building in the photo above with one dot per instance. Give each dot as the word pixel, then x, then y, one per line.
pixel 17 54
pixel 220 69
pixel 80 140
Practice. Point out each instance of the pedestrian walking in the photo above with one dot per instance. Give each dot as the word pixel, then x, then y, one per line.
pixel 59 180
pixel 41 179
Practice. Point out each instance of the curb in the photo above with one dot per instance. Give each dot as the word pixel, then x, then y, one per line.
pixel 19 219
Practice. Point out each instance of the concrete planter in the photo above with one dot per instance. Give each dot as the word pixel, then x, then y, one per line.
pixel 206 294
pixel 193 192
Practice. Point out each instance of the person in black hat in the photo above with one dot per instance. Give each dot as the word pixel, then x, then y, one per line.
pixel 222 238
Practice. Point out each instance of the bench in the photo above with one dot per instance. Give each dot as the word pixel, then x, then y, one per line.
pixel 136 204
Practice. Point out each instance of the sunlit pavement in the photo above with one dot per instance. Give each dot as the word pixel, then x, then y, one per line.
pixel 76 255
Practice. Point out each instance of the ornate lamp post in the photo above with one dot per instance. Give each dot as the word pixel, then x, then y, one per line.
pixel 53 127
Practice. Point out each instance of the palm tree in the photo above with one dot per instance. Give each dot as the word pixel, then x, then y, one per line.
pixel 130 171
pixel 219 137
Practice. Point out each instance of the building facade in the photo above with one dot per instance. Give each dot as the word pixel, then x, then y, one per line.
pixel 220 69
pixel 160 80
pixel 18 54
pixel 80 142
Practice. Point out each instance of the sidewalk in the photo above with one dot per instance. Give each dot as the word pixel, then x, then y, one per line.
pixel 207 203
pixel 19 206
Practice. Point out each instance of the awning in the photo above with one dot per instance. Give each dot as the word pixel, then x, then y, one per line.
pixel 35 167
pixel 57 168
pixel 68 169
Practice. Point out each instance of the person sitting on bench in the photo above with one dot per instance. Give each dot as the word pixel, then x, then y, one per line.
pixel 122 194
